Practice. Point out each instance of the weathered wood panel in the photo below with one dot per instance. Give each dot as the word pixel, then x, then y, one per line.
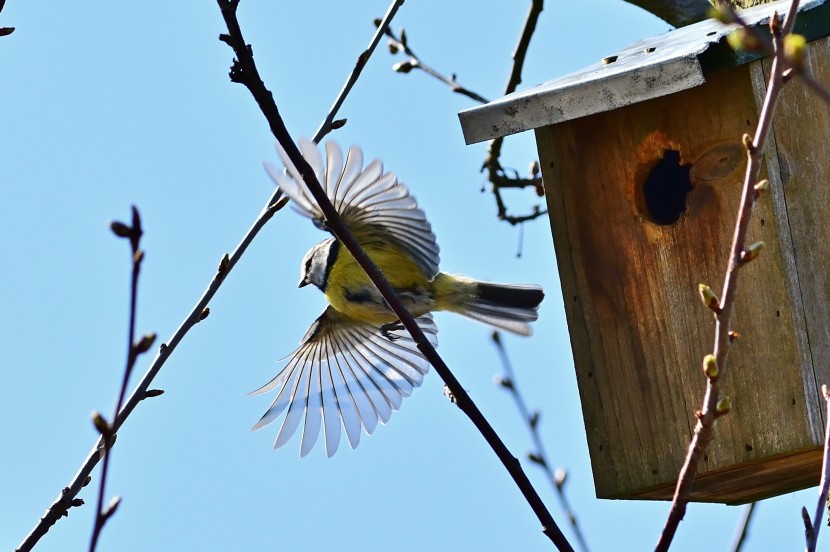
pixel 637 329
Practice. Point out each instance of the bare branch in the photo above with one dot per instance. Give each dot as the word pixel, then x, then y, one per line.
pixel 742 529
pixel 245 72
pixel 133 233
pixel 400 43
pixel 67 498
pixel 539 456
pixel 821 506
pixel 495 172
pixel 328 124
pixel 714 405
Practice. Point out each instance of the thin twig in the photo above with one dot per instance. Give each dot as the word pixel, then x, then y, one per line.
pixel 492 164
pixel 399 43
pixel 495 172
pixel 142 390
pixel 364 56
pixel 134 349
pixel 539 456
pixel 821 506
pixel 715 366
pixel 245 72
pixel 742 529
pixel 68 496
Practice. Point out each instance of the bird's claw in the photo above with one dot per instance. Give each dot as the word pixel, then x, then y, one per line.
pixel 386 330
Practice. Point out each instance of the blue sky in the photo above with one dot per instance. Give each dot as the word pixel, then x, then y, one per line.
pixel 109 104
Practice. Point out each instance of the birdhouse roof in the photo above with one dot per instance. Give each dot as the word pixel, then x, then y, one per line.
pixel 650 68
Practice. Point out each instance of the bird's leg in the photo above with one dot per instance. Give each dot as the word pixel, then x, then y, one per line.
pixel 386 329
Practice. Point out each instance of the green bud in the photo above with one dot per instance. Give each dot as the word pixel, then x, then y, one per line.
pixel 724 406
pixel 708 297
pixel 795 47
pixel 751 253
pixel 762 185
pixel 710 366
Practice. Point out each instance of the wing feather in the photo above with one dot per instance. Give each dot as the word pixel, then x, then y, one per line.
pixel 368 199
pixel 330 407
pixel 344 373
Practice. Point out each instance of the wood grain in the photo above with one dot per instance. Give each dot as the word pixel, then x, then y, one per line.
pixel 638 331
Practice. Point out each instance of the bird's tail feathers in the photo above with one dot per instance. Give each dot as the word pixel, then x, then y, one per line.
pixel 506 307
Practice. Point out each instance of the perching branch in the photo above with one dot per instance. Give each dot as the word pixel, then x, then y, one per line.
pixel 539 456
pixel 135 348
pixel 714 365
pixel 812 529
pixel 244 71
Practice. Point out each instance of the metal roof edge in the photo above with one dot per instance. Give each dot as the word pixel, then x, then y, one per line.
pixel 646 69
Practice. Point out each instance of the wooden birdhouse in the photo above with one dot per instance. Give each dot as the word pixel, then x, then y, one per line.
pixel 642 161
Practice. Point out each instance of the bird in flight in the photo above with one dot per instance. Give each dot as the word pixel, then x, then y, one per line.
pixel 356 363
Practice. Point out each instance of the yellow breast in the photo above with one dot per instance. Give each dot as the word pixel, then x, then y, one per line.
pixel 351 292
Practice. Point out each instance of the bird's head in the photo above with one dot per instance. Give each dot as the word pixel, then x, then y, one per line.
pixel 317 264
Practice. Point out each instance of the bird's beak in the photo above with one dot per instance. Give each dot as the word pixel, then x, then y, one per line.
pixel 303 282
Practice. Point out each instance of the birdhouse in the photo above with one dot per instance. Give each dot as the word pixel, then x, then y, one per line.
pixel 642 161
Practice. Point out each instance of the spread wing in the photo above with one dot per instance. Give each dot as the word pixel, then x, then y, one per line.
pixel 367 199
pixel 345 372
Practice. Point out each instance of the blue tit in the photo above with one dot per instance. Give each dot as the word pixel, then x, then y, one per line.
pixel 356 364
